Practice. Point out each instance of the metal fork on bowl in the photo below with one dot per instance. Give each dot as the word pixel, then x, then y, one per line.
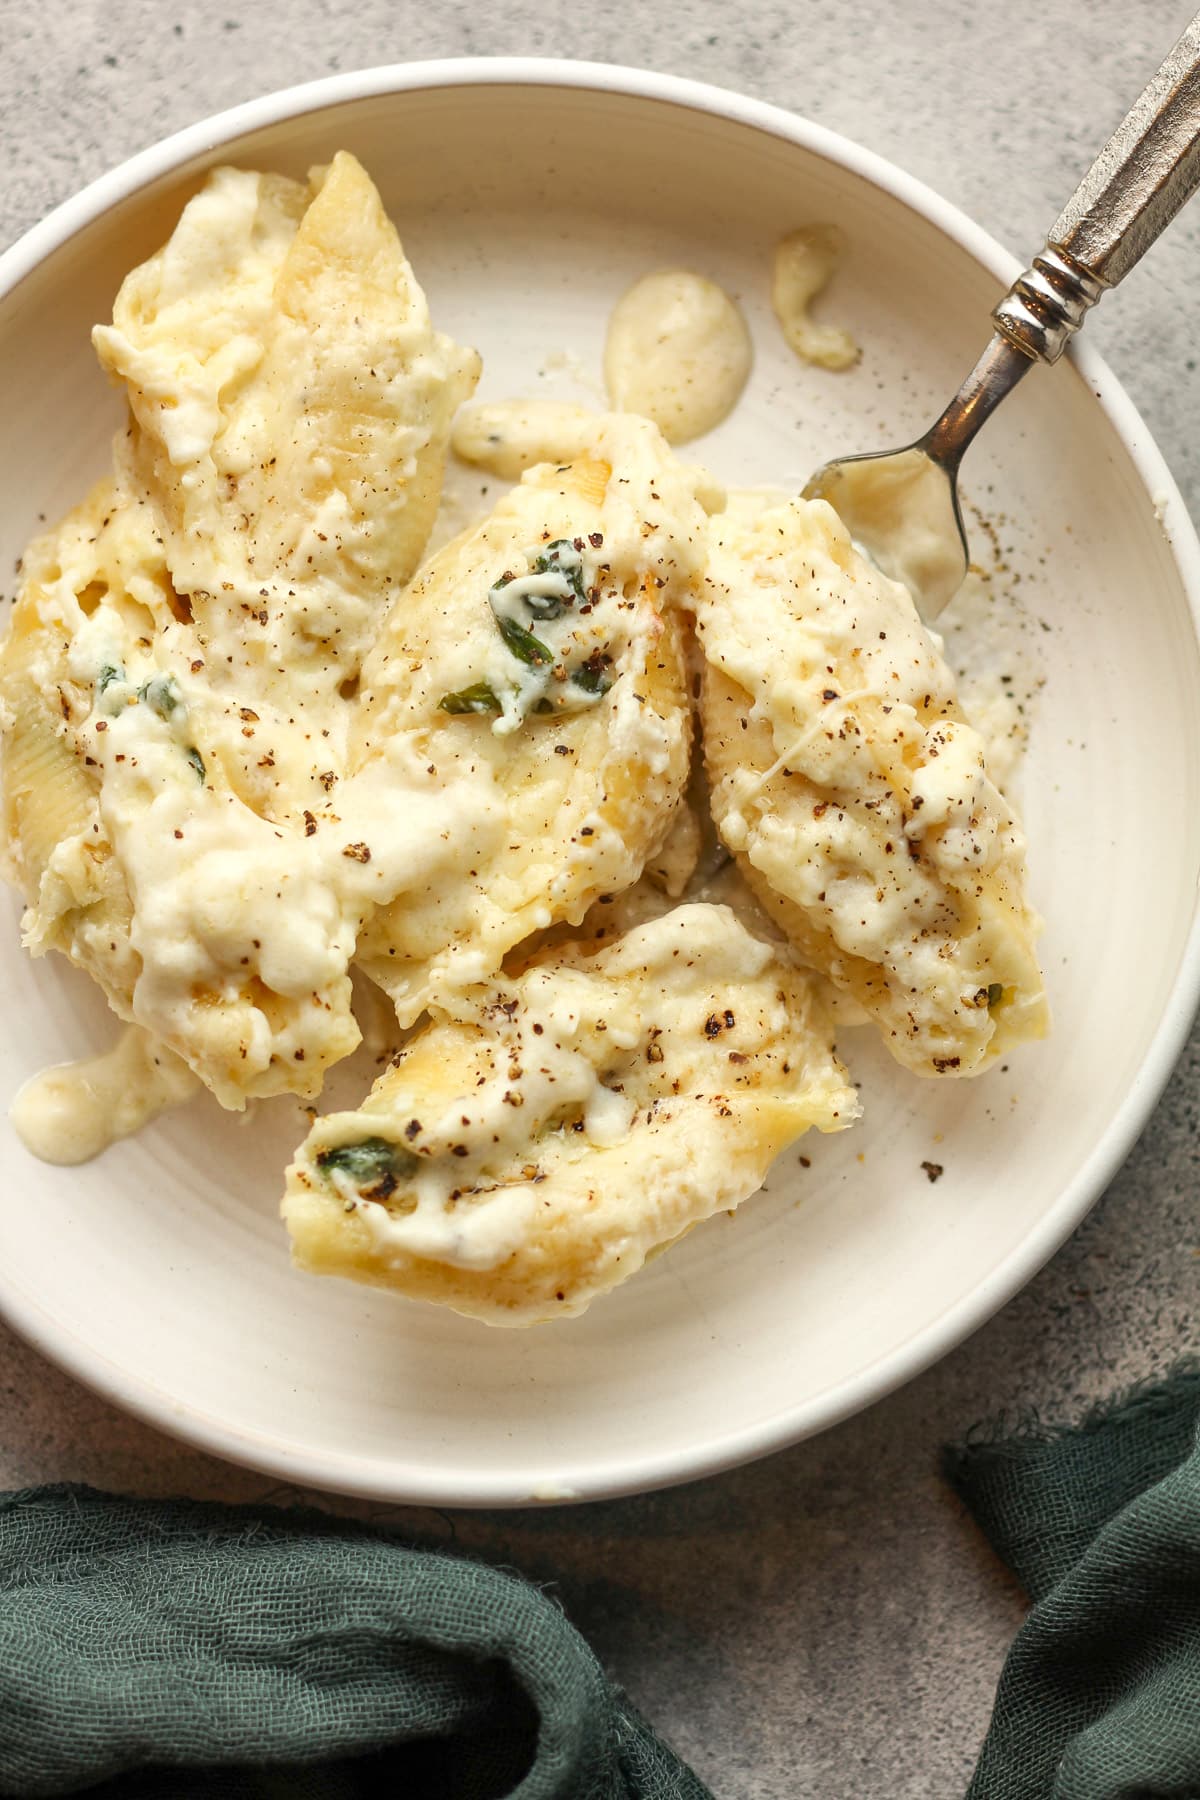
pixel 902 506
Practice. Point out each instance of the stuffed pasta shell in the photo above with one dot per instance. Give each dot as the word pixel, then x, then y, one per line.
pixel 547 1132
pixel 855 795
pixel 540 658
pixel 291 406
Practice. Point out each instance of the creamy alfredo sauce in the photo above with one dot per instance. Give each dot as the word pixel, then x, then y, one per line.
pixel 805 260
pixel 507 437
pixel 900 510
pixel 678 352
pixel 72 1112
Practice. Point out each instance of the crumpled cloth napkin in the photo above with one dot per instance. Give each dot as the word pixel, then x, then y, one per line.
pixel 1100 1695
pixel 172 1650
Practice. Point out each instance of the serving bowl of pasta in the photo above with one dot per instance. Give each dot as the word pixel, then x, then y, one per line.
pixel 455 793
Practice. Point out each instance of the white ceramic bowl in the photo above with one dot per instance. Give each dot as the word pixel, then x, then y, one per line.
pixel 528 195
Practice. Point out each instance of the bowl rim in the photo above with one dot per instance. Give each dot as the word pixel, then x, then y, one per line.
pixel 405 1481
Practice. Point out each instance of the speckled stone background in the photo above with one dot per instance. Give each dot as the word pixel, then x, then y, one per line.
pixel 825 1625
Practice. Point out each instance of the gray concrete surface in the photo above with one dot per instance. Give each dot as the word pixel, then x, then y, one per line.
pixel 825 1625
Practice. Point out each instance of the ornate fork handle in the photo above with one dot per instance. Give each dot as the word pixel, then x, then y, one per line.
pixel 1144 174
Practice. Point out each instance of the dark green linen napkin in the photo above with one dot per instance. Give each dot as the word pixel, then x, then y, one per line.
pixel 1100 1695
pixel 165 1650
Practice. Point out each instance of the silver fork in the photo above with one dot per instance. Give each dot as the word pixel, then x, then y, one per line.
pixel 902 505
